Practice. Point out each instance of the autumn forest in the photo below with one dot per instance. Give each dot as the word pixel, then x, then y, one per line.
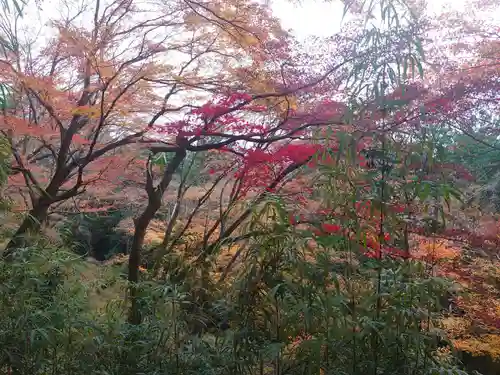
pixel 187 187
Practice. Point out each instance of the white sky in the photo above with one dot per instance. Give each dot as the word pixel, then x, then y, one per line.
pixel 310 18
pixel 304 18
pixel 323 17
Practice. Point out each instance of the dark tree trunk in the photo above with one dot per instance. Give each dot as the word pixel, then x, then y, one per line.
pixel 38 214
pixel 31 224
pixel 155 195
pixel 141 225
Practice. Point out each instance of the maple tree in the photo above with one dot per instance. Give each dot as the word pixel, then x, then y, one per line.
pixel 95 88
pixel 217 120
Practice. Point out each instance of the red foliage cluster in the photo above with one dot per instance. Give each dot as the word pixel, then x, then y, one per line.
pixel 438 105
pixel 374 248
pixel 297 340
pixel 387 250
pixel 218 117
pixel 259 168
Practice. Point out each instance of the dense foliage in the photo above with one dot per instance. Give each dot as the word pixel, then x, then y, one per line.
pixel 187 188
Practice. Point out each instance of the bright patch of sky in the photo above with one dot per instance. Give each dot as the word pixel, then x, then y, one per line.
pixel 320 18
pixel 309 18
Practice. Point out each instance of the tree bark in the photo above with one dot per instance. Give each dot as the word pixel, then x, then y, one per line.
pixel 38 214
pixel 31 224
pixel 141 224
pixel 140 227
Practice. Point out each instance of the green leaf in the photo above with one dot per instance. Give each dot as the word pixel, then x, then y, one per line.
pixel 420 49
pixel 422 112
pixel 420 69
pixel 392 75
pixel 425 191
pixel 405 69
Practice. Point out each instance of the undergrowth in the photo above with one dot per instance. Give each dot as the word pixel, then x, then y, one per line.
pixel 279 315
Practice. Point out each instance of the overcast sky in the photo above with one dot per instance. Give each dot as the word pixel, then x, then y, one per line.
pixel 322 18
pixel 311 17
pixel 303 17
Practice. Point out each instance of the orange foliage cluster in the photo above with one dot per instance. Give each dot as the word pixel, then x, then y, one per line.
pixel 433 250
pixel 481 278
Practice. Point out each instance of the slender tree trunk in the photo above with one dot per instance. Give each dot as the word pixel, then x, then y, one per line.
pixel 140 227
pixel 155 195
pixel 170 227
pixel 31 224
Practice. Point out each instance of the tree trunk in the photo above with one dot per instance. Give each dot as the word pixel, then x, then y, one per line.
pixel 31 224
pixel 141 225
pixel 38 214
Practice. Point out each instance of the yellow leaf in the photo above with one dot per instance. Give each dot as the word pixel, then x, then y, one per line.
pixel 193 19
pixel 85 111
pixel 106 71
